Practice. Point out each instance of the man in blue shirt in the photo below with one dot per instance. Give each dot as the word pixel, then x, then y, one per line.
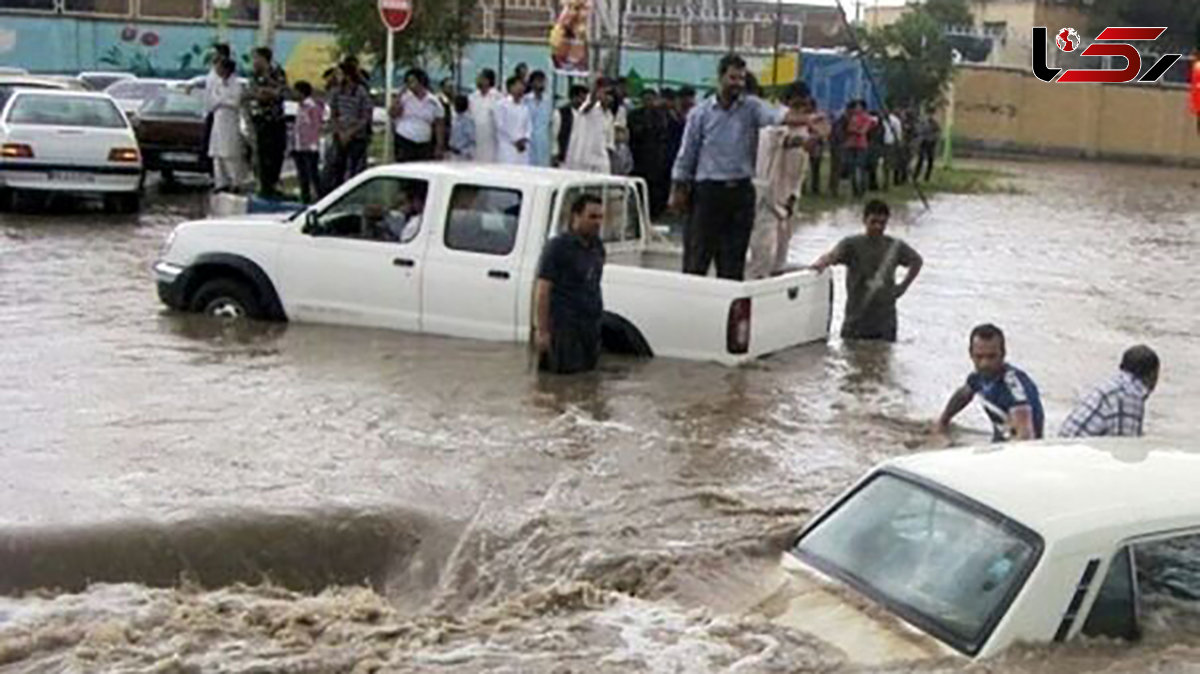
pixel 1009 397
pixel 713 173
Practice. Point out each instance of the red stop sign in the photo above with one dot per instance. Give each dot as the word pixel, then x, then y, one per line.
pixel 397 14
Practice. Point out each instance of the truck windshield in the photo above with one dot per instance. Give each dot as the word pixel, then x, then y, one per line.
pixel 942 562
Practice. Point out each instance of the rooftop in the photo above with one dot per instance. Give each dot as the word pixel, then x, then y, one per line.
pixel 1065 489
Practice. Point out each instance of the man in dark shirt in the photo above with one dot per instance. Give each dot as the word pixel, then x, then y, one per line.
pixel 268 89
pixel 871 260
pixel 1009 397
pixel 569 302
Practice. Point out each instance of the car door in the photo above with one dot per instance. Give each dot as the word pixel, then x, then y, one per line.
pixel 472 271
pixel 358 260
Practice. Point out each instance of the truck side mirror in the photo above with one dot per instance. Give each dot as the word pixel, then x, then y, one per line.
pixel 312 226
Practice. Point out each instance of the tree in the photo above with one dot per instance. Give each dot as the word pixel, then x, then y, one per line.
pixel 913 56
pixel 439 29
pixel 1181 17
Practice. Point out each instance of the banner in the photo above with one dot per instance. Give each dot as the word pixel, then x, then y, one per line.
pixel 568 39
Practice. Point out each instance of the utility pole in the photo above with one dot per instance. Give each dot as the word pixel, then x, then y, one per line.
pixel 221 9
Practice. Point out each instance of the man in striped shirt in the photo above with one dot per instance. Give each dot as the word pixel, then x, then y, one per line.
pixel 1009 397
pixel 1117 407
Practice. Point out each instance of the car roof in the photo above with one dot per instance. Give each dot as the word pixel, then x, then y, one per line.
pixel 23 81
pixel 1066 490
pixel 501 173
pixel 64 93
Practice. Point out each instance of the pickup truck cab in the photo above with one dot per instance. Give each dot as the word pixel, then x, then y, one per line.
pixel 453 249
pixel 964 553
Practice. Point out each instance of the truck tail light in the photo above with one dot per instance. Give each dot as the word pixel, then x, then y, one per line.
pixel 16 151
pixel 737 335
pixel 126 155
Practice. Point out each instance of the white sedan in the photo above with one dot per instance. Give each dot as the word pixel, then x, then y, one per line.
pixel 964 553
pixel 68 142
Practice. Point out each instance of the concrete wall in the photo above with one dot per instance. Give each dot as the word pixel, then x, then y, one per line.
pixel 1010 109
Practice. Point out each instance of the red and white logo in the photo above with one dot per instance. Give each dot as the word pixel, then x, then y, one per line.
pixel 1112 42
pixel 396 14
pixel 1068 40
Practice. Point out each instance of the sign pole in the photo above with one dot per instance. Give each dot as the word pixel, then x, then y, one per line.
pixel 390 75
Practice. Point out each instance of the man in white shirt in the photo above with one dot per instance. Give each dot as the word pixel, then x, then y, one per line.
pixel 482 102
pixel 893 141
pixel 514 126
pixel 417 115
pixel 588 148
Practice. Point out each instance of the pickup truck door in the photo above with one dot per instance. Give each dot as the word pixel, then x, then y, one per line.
pixel 358 260
pixel 472 281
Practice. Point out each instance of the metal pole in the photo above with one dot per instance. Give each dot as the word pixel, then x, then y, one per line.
pixel 620 33
pixel 389 75
pixel 662 46
pixel 948 133
pixel 266 23
pixel 733 26
pixel 775 56
pixel 503 15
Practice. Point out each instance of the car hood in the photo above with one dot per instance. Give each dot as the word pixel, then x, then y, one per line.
pixel 811 602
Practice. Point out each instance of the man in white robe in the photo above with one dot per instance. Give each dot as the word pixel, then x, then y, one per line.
pixel 588 148
pixel 226 146
pixel 482 102
pixel 514 126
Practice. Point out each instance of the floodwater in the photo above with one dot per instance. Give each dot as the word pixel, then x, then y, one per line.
pixel 176 495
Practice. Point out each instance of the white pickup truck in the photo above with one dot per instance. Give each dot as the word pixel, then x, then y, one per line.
pixel 453 249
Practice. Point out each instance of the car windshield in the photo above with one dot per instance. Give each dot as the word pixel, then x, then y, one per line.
pixel 175 105
pixel 82 111
pixel 946 564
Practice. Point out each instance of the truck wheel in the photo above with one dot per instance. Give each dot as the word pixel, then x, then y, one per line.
pixel 227 299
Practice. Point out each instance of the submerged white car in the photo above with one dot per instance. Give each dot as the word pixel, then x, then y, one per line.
pixel 967 552
pixel 72 142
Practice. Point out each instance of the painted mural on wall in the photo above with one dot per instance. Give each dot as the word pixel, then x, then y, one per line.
pixel 181 50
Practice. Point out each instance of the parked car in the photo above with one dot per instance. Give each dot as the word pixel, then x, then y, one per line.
pixel 68 142
pixel 103 79
pixel 964 553
pixel 131 95
pixel 69 82
pixel 170 132
pixel 10 83
pixel 10 70
pixel 470 271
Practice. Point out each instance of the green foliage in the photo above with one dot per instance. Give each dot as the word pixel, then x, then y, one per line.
pixel 438 31
pixel 912 56
pixel 1181 17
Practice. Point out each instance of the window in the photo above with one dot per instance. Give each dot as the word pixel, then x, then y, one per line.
pixel 135 89
pixel 243 10
pixel 622 214
pixel 1114 613
pixel 116 7
pixel 310 12
pixel 173 104
pixel 483 220
pixel 384 209
pixel 77 111
pixel 33 5
pixel 944 563
pixel 173 9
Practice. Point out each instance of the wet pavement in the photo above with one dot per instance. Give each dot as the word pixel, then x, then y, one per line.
pixel 429 504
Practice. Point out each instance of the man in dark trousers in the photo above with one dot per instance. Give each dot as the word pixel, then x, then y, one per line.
pixel 714 170
pixel 569 302
pixel 268 89
pixel 650 144
pixel 871 260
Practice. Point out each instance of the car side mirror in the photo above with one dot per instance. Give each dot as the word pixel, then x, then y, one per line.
pixel 312 225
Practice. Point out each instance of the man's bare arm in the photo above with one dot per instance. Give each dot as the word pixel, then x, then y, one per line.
pixel 543 314
pixel 957 403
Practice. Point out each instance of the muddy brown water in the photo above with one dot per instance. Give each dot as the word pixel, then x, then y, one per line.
pixel 180 496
